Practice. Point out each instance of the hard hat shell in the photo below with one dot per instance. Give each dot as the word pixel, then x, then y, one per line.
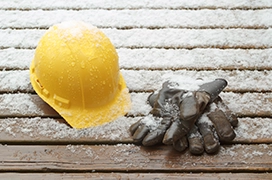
pixel 75 70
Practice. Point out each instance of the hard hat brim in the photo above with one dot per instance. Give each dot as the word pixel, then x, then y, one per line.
pixel 80 118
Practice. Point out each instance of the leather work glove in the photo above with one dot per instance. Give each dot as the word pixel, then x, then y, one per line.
pixel 175 112
pixel 214 126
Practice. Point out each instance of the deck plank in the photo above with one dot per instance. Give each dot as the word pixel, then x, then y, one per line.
pixel 146 80
pixel 31 105
pixel 159 59
pixel 56 131
pixel 129 158
pixel 142 18
pixel 158 38
pixel 141 176
pixel 144 4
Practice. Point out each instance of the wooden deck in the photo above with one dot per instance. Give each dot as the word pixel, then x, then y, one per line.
pixel 230 39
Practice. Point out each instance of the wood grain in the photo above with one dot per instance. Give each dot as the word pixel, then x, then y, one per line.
pixel 131 158
pixel 137 175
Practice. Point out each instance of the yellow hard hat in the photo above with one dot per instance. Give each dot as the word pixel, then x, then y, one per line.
pixel 75 70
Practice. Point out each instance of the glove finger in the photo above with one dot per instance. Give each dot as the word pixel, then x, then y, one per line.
pixel 188 113
pixel 134 127
pixel 176 131
pixel 181 144
pixel 153 137
pixel 157 135
pixel 230 116
pixel 155 97
pixel 195 141
pixel 193 105
pixel 211 143
pixel 196 146
pixel 140 133
pixel 152 99
pixel 222 125
pixel 189 108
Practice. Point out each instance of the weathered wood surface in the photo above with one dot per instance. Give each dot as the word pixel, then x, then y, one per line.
pixel 155 40
pixel 125 158
pixel 141 176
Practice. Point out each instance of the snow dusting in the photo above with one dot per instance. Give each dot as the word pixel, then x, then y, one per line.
pixel 252 128
pixel 77 149
pixel 204 119
pixel 75 29
pixel 52 129
pixel 151 121
pixel 185 82
pixel 186 43
pixel 144 4
pixel 247 151
pixel 26 105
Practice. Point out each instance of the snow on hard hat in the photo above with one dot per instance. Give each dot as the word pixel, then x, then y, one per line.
pixel 75 70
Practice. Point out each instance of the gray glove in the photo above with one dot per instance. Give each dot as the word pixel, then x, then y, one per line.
pixel 176 110
pixel 214 126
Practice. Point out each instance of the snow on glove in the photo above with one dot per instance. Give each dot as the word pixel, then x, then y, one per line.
pixel 177 110
pixel 214 126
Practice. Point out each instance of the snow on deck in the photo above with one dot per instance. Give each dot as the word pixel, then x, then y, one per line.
pixel 156 40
